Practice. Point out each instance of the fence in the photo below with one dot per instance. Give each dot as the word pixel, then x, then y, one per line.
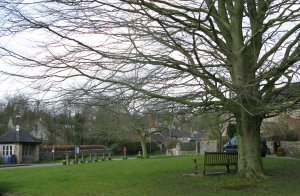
pixel 60 152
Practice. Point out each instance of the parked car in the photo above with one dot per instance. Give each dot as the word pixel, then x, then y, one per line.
pixel 231 145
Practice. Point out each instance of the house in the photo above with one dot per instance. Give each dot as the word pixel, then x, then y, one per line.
pixel 179 135
pixel 19 146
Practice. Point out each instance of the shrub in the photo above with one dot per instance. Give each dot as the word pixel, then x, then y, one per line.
pixel 132 147
pixel 115 148
pixel 280 149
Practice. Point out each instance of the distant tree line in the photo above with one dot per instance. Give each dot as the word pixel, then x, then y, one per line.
pixel 64 123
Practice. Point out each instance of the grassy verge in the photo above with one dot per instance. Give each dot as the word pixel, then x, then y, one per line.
pixel 156 176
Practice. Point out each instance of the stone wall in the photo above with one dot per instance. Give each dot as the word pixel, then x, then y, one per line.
pixel 291 148
pixel 198 148
pixel 208 146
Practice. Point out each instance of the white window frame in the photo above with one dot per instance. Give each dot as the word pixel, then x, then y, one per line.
pixel 7 150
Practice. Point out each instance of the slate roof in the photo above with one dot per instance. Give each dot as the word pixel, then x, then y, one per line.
pixel 200 135
pixel 24 137
pixel 177 134
pixel 158 137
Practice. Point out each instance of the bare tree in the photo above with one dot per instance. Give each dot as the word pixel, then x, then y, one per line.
pixel 239 56
pixel 107 120
pixel 146 117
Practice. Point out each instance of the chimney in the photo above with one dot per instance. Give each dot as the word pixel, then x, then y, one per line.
pixel 17 133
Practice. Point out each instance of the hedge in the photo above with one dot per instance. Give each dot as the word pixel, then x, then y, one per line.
pixel 70 147
pixel 62 150
pixel 133 148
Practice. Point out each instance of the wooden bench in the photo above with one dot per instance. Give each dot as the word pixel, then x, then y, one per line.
pixel 218 159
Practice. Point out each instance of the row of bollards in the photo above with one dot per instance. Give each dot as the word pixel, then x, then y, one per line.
pixel 83 159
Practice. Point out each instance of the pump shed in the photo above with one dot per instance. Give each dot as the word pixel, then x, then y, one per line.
pixel 19 146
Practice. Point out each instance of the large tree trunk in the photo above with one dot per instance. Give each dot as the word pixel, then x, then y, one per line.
pixel 144 147
pixel 250 161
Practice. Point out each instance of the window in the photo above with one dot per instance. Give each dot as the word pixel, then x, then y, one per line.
pixel 26 150
pixel 7 150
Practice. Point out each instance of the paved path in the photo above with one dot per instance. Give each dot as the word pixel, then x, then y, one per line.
pixel 28 166
pixel 5 167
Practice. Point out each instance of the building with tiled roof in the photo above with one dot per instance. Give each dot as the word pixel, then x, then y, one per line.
pixel 19 146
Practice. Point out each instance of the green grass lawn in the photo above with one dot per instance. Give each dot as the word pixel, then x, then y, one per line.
pixel 155 176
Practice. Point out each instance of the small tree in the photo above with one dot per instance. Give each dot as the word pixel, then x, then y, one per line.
pixel 148 118
pixel 79 121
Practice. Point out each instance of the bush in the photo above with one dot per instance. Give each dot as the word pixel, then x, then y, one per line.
pixel 132 147
pixel 115 148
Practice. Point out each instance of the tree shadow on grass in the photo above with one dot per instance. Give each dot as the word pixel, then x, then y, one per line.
pixel 6 189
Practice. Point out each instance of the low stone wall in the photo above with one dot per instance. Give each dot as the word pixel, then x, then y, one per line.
pixel 291 148
pixel 208 146
pixel 195 148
